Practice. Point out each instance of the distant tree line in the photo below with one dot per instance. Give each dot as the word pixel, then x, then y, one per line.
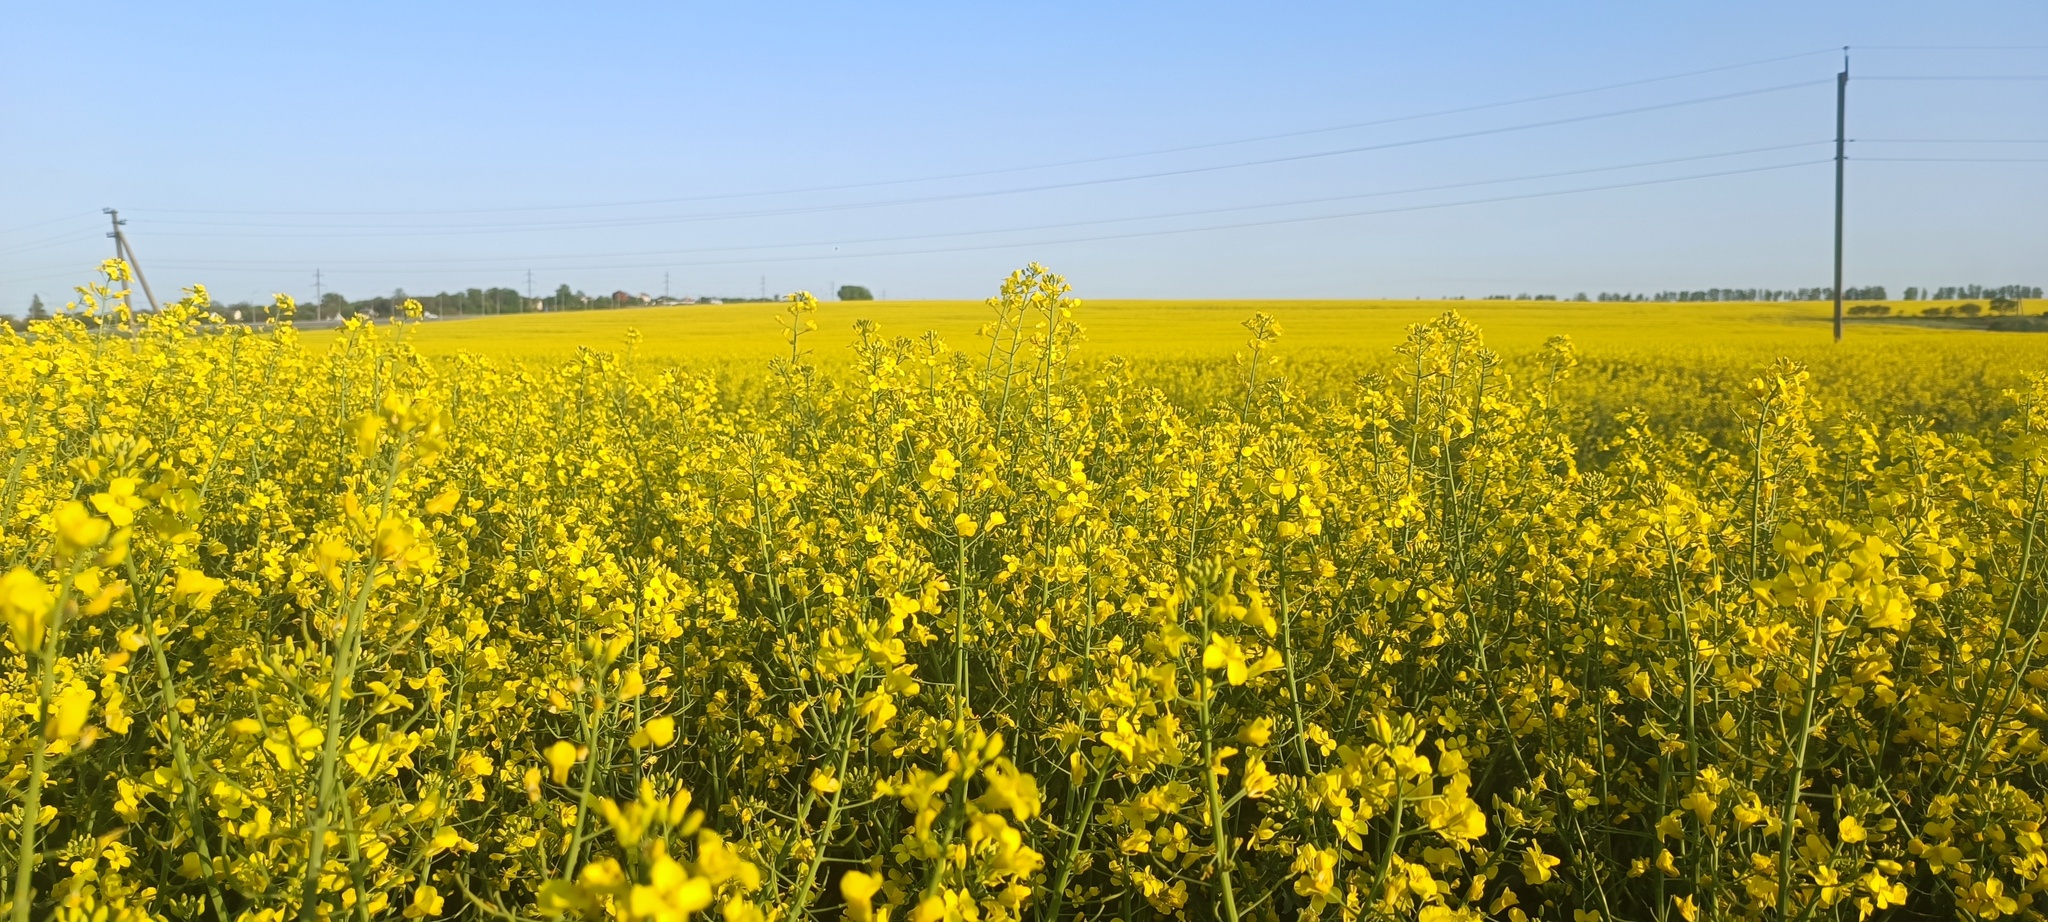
pixel 1827 293
pixel 2000 306
pixel 485 301
pixel 482 301
pixel 1962 292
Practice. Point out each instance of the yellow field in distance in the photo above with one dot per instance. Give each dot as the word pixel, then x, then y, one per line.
pixel 1203 328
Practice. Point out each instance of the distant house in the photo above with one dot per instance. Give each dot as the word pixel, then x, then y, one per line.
pixel 620 297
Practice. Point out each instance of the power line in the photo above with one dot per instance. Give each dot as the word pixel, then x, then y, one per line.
pixel 1950 159
pixel 1154 217
pixel 1959 77
pixel 1191 230
pixel 1045 166
pixel 47 242
pixel 71 272
pixel 76 217
pixel 1948 140
pixel 1952 47
pixel 1186 171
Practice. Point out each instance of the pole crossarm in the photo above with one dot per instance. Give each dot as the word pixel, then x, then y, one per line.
pixel 125 252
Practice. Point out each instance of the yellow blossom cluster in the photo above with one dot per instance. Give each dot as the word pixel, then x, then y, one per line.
pixel 990 631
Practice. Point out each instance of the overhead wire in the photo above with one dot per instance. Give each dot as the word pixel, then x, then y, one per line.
pixel 1952 47
pixel 19 229
pixel 1948 140
pixel 47 242
pixel 1152 217
pixel 1189 230
pixel 1045 166
pixel 1948 159
pixel 401 231
pixel 1954 77
pixel 582 223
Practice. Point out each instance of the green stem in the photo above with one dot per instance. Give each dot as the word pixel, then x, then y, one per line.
pixel 174 730
pixel 800 904
pixel 1218 835
pixel 39 753
pixel 1789 820
pixel 345 653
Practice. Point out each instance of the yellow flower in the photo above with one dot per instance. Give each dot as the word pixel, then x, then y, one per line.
pixel 657 732
pixel 1258 782
pixel 1700 803
pixel 67 719
pixel 443 502
pixel 426 903
pixel 1227 654
pixel 76 529
pixel 562 756
pixel 195 588
pixel 858 888
pixel 671 894
pixel 25 602
pixel 1536 865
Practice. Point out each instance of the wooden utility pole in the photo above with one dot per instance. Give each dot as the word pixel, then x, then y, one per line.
pixel 1841 145
pixel 126 253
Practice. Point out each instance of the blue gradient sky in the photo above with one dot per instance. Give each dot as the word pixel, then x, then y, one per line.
pixel 392 144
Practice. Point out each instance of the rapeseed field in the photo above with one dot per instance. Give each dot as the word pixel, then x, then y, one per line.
pixel 1357 617
pixel 743 332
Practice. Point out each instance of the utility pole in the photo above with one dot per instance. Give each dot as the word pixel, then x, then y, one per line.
pixel 319 294
pixel 664 286
pixel 764 288
pixel 1841 147
pixel 126 253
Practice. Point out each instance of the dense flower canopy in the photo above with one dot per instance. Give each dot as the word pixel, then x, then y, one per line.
pixel 1001 633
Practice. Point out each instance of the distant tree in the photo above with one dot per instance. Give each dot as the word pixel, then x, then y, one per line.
pixel 855 293
pixel 2005 306
pixel 332 304
pixel 1971 309
pixel 36 310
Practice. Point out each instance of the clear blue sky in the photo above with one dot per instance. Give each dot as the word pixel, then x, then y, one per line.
pixel 437 145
